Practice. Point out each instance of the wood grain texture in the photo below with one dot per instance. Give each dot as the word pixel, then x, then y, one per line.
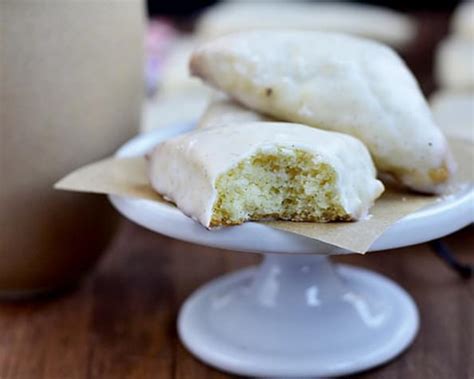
pixel 120 322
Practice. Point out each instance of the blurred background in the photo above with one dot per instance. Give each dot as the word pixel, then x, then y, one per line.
pixel 187 8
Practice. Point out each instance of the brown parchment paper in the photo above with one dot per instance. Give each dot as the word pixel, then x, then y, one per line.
pixel 128 177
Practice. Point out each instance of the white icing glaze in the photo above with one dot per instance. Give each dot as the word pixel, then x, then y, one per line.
pixel 454 68
pixel 225 112
pixel 185 169
pixel 454 112
pixel 334 82
pixel 462 23
pixel 366 20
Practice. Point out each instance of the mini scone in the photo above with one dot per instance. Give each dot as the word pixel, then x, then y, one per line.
pixel 261 170
pixel 174 75
pixel 335 82
pixel 161 111
pixel 454 112
pixel 225 112
pixel 366 20
pixel 462 23
pixel 454 68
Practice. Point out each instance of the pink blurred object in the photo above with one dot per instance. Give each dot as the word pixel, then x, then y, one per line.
pixel 159 36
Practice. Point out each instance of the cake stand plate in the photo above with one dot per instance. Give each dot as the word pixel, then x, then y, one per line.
pixel 297 314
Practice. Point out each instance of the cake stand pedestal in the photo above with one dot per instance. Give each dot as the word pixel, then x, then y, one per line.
pixel 297 314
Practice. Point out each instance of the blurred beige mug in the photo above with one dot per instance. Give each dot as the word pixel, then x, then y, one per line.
pixel 70 87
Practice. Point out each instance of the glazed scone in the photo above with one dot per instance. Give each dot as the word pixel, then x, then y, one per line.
pixel 454 68
pixel 226 112
pixel 174 75
pixel 168 109
pixel 463 20
pixel 261 170
pixel 335 82
pixel 454 112
pixel 369 21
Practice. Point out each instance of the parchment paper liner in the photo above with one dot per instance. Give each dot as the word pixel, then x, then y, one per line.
pixel 128 177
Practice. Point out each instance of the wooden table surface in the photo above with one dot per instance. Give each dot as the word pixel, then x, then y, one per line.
pixel 120 323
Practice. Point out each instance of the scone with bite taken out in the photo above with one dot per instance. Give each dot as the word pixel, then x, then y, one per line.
pixel 265 170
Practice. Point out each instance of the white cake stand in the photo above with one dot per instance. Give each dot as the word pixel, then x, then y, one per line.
pixel 297 314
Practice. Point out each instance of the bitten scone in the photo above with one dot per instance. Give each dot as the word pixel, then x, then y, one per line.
pixel 260 170
pixel 225 112
pixel 334 82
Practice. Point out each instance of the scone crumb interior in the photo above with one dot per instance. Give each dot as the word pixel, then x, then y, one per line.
pixel 283 183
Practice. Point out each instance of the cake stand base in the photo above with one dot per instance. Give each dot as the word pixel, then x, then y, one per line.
pixel 298 315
